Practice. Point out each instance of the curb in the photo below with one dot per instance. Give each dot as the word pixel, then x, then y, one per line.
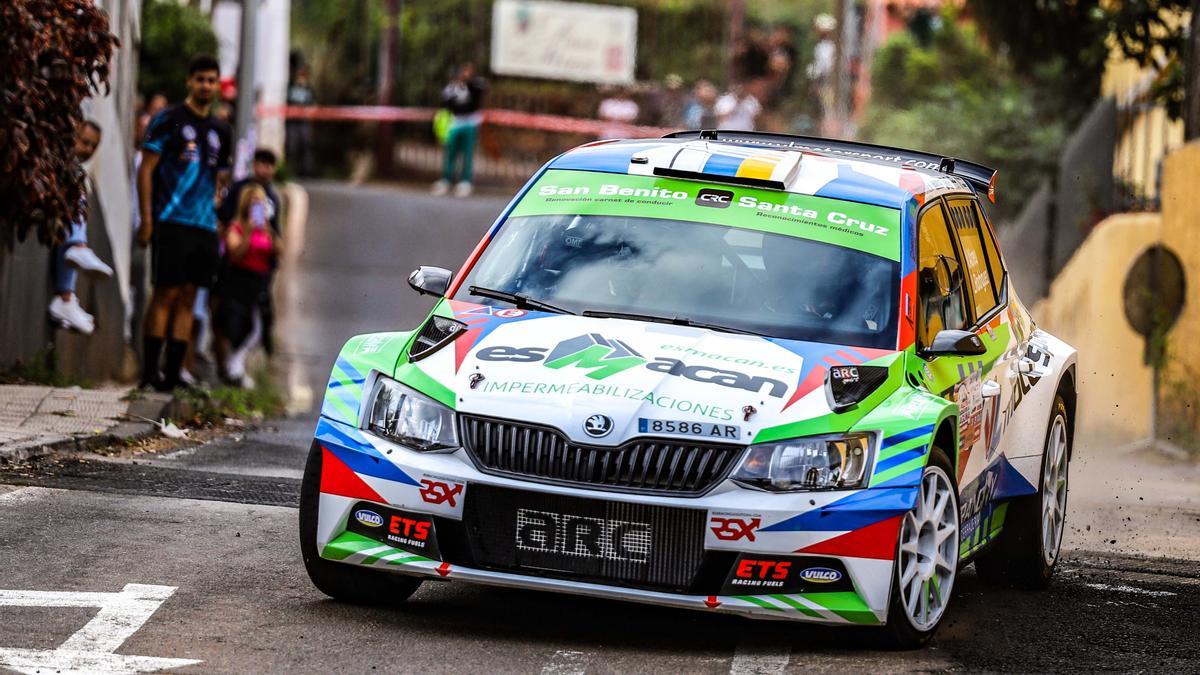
pixel 152 406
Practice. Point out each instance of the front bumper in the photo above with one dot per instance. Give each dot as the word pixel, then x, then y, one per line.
pixel 851 532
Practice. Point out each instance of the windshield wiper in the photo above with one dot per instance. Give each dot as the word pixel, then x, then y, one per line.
pixel 518 300
pixel 673 320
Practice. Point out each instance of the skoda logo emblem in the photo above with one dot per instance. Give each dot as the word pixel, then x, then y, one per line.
pixel 598 426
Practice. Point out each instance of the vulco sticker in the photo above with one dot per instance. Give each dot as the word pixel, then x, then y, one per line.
pixel 821 575
pixel 368 518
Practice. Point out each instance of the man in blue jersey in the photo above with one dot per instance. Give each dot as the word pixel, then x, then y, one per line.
pixel 185 166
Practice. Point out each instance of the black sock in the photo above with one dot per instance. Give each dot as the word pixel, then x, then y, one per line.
pixel 176 350
pixel 151 353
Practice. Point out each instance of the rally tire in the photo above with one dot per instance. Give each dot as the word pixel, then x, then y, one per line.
pixel 1027 551
pixel 903 629
pixel 340 581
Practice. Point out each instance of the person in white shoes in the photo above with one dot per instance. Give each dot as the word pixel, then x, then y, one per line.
pixel 73 255
pixel 463 97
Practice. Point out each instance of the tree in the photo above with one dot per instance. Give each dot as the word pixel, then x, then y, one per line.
pixel 53 55
pixel 172 34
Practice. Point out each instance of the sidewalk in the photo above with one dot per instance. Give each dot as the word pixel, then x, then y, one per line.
pixel 36 420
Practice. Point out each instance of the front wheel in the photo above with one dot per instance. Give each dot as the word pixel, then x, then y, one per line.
pixel 926 558
pixel 341 581
pixel 1029 544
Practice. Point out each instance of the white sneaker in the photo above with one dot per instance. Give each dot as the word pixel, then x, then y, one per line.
pixel 440 188
pixel 86 260
pixel 70 315
pixel 463 189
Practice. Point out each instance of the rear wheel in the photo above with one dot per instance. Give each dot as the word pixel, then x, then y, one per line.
pixel 1028 547
pixel 341 581
pixel 926 558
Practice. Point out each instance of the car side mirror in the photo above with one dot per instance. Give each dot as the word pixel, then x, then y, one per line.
pixel 430 280
pixel 955 343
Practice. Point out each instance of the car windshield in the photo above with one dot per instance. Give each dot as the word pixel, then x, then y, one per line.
pixel 747 280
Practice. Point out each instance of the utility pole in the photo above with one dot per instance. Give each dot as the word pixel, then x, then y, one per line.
pixel 247 55
pixel 1191 86
pixel 385 143
pixel 736 11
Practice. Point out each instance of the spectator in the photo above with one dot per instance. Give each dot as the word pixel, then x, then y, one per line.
pixel 619 109
pixel 185 165
pixel 262 175
pixel 821 70
pixel 738 110
pixel 671 100
pixel 250 254
pixel 74 254
pixel 782 62
pixel 750 56
pixel 463 97
pixel 700 112
pixel 300 131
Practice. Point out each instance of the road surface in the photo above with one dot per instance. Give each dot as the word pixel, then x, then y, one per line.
pixel 194 554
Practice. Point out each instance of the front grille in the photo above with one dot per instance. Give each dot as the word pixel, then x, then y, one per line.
pixel 654 465
pixel 615 543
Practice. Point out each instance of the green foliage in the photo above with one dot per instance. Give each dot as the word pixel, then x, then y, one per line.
pixel 41 368
pixel 172 33
pixel 53 55
pixel 956 98
pixel 263 400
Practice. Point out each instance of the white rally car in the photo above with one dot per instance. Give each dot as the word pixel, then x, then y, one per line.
pixel 768 375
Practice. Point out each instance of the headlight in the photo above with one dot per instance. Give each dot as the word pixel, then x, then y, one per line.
pixel 409 418
pixel 824 463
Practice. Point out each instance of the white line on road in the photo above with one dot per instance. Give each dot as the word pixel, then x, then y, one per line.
pixel 1130 589
pixel 755 658
pixel 90 649
pixel 567 662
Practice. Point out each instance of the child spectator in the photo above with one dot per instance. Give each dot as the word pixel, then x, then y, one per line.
pixel 250 250
pixel 74 254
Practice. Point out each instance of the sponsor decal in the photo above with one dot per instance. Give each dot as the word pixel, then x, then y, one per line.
pixel 734 529
pixel 510 313
pixel 440 492
pixel 407 531
pixel 686 428
pixel 605 358
pixel 729 358
pixel 612 391
pixel 598 426
pixel 978 501
pixel 564 534
pixel 716 199
pixel 756 573
pixel 188 132
pixel 821 575
pixel 368 517
pixel 373 344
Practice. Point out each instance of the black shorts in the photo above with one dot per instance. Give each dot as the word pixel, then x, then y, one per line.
pixel 184 255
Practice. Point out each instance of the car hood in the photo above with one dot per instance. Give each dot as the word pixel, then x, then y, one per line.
pixel 603 381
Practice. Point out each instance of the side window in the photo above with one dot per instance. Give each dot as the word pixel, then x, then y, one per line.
pixel 993 252
pixel 980 286
pixel 942 304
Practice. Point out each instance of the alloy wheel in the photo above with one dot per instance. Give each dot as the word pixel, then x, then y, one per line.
pixel 1054 490
pixel 929 550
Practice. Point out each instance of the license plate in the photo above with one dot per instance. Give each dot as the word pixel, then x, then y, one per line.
pixel 687 428
pixel 405 530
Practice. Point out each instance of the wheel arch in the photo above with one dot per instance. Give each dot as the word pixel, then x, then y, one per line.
pixel 945 436
pixel 1070 394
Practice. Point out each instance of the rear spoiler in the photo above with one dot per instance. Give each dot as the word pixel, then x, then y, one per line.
pixel 981 178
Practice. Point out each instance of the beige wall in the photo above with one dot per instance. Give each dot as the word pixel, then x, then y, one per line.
pixel 1180 396
pixel 1085 307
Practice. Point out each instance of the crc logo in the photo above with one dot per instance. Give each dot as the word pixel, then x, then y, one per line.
pixel 821 575
pixel 439 492
pixel 564 534
pixel 734 529
pixel 598 426
pixel 368 517
pixel 716 199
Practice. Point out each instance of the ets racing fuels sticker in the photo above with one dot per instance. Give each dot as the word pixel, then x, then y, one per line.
pixel 752 574
pixel 407 531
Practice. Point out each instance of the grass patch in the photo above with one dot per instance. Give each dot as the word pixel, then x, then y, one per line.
pixel 212 407
pixel 42 369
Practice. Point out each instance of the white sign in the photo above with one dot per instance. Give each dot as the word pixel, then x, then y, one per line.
pixel 90 649
pixel 564 41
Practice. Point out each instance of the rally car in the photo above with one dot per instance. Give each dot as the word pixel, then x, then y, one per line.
pixel 767 375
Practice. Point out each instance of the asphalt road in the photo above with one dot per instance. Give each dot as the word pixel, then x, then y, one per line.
pixel 208 533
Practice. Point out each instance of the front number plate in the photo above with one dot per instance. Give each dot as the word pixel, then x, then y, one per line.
pixel 686 428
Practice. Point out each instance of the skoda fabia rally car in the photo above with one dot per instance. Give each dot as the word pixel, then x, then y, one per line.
pixel 766 375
